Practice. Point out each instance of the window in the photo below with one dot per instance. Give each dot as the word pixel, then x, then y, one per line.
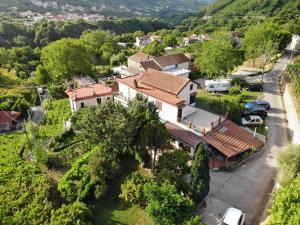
pixel 191 87
pixel 176 65
pixel 241 220
pixel 81 105
pixel 192 99
pixel 158 104
pixel 98 101
pixel 211 86
pixel 108 98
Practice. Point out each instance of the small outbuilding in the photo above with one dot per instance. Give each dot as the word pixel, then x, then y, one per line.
pixel 8 120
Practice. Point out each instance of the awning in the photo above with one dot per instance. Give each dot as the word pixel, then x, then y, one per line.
pixel 182 135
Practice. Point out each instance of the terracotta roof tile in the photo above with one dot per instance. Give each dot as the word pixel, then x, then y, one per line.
pixel 150 64
pixel 90 91
pixel 140 57
pixel 8 116
pixel 183 135
pixel 231 139
pixel 137 82
pixel 174 59
pixel 164 81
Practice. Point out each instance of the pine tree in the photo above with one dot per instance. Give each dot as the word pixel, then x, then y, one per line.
pixel 200 177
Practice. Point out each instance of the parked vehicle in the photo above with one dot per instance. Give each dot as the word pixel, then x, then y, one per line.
pixel 255 87
pixel 252 121
pixel 256 111
pixel 217 85
pixel 233 216
pixel 262 103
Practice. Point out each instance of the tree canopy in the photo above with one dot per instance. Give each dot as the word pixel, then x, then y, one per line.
pixel 218 57
pixel 66 58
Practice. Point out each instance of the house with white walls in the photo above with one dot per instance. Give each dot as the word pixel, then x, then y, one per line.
pixel 145 40
pixel 172 95
pixel 90 95
pixel 174 64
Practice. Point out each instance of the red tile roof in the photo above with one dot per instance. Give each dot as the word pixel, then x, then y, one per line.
pixel 150 64
pixel 183 135
pixel 231 139
pixel 8 116
pixel 164 81
pixel 90 91
pixel 140 57
pixel 145 83
pixel 168 60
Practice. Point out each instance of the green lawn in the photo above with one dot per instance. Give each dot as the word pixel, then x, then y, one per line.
pixel 111 211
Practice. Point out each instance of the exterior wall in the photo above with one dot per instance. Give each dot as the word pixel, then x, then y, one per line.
pixel 185 93
pixel 5 126
pixel 168 112
pixel 182 66
pixel 76 105
pixel 292 114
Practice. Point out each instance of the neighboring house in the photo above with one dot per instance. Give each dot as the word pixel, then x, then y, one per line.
pixel 237 39
pixel 175 64
pixel 83 81
pixel 91 95
pixel 8 120
pixel 146 40
pixel 194 38
pixel 172 95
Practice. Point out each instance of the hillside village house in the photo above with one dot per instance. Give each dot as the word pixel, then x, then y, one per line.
pixel 91 95
pixel 145 40
pixel 194 38
pixel 175 64
pixel 189 126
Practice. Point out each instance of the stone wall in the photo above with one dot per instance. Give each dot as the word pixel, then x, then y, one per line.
pixel 292 115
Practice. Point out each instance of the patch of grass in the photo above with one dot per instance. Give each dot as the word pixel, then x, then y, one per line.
pixel 111 211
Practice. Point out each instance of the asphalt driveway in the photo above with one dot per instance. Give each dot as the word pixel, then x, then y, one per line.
pixel 248 187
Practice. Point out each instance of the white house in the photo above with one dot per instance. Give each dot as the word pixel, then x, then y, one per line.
pixel 91 95
pixel 172 95
pixel 175 64
pixel 145 40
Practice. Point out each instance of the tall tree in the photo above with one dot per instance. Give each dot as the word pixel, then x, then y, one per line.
pixel 218 57
pixel 66 58
pixel 155 49
pixel 155 137
pixel 264 40
pixel 107 124
pixel 200 177
pixel 140 111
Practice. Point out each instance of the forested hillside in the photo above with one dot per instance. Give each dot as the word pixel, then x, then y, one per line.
pixel 250 7
pixel 107 7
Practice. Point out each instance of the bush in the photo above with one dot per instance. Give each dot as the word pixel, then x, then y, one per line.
pixel 286 205
pixel 165 205
pixel 57 90
pixel 289 163
pixel 74 214
pixel 239 81
pixel 132 190
pixel 235 90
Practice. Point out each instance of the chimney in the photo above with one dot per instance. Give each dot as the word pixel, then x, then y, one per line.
pixel 190 125
pixel 135 83
pixel 219 121
pixel 94 92
pixel 212 126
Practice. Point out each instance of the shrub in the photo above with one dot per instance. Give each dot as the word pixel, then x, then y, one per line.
pixel 132 190
pixel 235 90
pixel 289 163
pixel 76 213
pixel 239 81
pixel 165 205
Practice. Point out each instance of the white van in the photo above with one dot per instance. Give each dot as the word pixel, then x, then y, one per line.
pixel 217 85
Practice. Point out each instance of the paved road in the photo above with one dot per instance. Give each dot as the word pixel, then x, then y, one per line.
pixel 249 186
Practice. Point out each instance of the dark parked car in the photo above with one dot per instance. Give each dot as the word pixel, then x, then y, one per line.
pixel 256 111
pixel 255 87
pixel 261 103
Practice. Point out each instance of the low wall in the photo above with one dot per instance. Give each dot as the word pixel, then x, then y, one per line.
pixel 292 114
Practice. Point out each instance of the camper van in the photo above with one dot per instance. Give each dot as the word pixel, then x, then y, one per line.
pixel 217 85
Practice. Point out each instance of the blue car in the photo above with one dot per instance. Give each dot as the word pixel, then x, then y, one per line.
pixel 261 103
